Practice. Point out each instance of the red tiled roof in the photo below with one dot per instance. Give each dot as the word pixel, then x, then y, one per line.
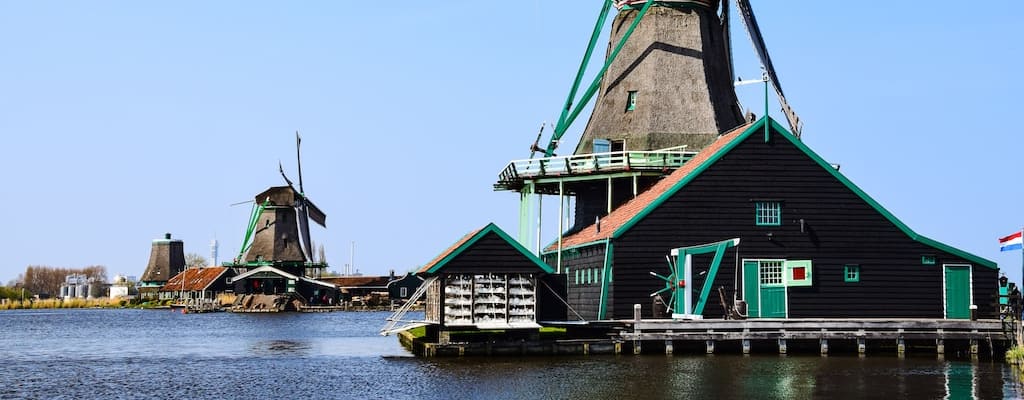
pixel 449 251
pixel 195 279
pixel 625 213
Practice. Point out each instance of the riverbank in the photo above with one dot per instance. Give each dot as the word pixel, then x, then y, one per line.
pixel 58 303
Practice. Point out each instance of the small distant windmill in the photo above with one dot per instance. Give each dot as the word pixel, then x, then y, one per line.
pixel 276 257
pixel 279 225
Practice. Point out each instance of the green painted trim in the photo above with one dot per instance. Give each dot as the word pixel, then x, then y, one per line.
pixel 490 228
pixel 631 100
pixel 846 273
pixel 878 207
pixel 594 36
pixel 602 309
pixel 823 164
pixel 709 281
pixel 763 220
pixel 585 99
pixel 686 180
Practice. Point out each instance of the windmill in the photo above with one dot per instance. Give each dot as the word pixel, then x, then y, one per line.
pixel 279 224
pixel 277 252
pixel 665 90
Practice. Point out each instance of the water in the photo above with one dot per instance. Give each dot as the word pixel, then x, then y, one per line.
pixel 132 354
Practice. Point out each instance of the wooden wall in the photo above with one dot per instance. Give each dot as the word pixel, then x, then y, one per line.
pixel 837 228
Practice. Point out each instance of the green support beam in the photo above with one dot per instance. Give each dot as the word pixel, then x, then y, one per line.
pixel 606 280
pixel 566 120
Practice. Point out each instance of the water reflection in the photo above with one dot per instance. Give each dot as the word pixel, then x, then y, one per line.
pixel 280 347
pixel 152 354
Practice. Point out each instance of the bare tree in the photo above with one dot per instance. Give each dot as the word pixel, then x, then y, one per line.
pixel 193 260
pixel 41 279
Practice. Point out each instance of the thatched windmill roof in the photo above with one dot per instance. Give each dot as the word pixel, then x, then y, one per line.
pixel 166 259
pixel 676 65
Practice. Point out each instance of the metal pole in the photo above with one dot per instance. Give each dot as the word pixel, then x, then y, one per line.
pixel 561 218
pixel 540 215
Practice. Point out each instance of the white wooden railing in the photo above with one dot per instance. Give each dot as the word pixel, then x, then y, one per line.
pixel 665 160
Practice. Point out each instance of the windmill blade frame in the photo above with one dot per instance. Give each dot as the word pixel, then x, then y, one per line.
pixel 754 31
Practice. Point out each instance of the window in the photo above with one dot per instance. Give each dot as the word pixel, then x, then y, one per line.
pixel 403 292
pixel 577 277
pixel 631 100
pixel 768 213
pixel 771 273
pixel 851 273
pixel 928 260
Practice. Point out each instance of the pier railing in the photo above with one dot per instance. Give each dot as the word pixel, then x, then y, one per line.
pixel 665 160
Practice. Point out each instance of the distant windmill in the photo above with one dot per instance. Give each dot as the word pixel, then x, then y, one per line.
pixel 276 258
pixel 280 228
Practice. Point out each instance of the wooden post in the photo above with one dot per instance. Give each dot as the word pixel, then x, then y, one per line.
pixel 782 346
pixel 668 344
pixel 586 348
pixel 709 346
pixel 940 347
pixel 862 347
pixel 901 346
pixel 746 346
pixel 824 347
pixel 636 328
pixel 974 348
pixel 443 337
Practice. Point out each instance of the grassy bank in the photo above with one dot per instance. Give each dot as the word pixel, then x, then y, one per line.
pixel 1015 356
pixel 58 303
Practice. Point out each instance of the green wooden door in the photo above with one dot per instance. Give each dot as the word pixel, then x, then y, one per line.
pixel 763 289
pixel 773 302
pixel 751 288
pixel 958 291
pixel 773 289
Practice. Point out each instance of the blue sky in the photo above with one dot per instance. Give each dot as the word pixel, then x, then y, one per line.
pixel 124 120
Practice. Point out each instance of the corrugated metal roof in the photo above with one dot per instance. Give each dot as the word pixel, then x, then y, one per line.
pixel 194 279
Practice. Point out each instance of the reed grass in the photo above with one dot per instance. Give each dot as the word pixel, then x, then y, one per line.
pixel 1015 355
pixel 59 303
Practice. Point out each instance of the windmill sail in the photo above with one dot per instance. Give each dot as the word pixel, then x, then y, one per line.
pixel 766 61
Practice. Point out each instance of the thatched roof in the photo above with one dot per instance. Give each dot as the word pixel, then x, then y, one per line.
pixel 677 63
pixel 166 259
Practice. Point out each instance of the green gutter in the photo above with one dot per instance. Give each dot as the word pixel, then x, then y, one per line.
pixel 606 278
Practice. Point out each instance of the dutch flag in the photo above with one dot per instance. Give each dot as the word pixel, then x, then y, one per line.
pixel 1012 242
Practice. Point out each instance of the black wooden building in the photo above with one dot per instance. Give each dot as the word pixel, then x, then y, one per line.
pixel 487 280
pixel 812 244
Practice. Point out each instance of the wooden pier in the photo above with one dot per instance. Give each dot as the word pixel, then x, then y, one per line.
pixel 762 336
pixel 898 334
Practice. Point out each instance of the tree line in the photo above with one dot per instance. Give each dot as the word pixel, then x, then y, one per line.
pixel 40 279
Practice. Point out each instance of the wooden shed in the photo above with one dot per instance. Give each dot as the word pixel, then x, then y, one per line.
pixel 811 243
pixel 487 280
pixel 197 283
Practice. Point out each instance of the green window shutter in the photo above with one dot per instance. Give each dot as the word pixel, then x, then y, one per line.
pixel 851 273
pixel 768 213
pixel 798 273
pixel 631 100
